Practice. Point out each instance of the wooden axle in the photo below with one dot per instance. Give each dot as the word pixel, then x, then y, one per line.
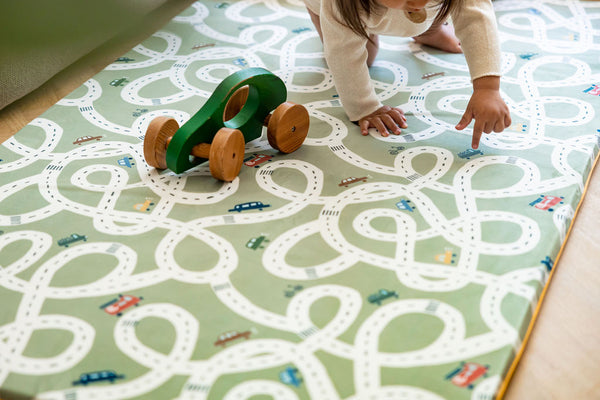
pixel 201 150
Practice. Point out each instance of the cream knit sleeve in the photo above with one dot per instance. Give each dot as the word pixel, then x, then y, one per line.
pixel 346 56
pixel 476 28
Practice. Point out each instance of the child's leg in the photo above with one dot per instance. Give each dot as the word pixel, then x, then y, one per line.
pixel 441 36
pixel 372 46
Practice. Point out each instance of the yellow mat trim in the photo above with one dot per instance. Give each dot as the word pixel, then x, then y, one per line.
pixel 515 363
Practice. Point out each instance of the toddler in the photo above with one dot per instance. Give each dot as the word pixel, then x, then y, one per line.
pixel 349 31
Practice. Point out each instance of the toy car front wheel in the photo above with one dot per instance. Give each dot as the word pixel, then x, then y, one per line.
pixel 288 127
pixel 226 154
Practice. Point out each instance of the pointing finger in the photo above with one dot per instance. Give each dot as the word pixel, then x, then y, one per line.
pixel 477 131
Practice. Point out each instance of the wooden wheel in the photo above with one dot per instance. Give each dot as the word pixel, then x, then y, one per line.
pixel 287 127
pixel 226 154
pixel 235 103
pixel 157 138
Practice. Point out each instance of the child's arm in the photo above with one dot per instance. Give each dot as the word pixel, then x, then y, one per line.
pixel 476 28
pixel 346 55
pixel 487 108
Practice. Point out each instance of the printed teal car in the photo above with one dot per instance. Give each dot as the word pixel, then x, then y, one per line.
pixel 71 239
pixel 98 376
pixel 252 205
pixel 256 242
pixel 383 294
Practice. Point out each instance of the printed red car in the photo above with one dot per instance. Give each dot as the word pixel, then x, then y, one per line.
pixel 350 180
pixel 227 337
pixel 256 160
pixel 546 202
pixel 116 306
pixel 467 373
pixel 83 139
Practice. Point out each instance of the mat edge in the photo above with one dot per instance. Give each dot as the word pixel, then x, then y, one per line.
pixel 513 367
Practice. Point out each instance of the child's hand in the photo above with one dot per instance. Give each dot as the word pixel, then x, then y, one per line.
pixel 383 119
pixel 487 108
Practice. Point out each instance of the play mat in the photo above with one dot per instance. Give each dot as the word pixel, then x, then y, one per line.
pixel 406 267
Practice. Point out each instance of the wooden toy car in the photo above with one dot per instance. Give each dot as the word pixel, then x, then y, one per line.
pixel 233 115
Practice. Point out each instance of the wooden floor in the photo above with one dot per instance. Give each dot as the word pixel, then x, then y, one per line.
pixel 562 358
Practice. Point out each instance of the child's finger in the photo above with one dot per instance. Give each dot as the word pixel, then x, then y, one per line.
pixel 398 118
pixel 477 131
pixel 380 126
pixel 465 120
pixel 390 124
pixel 488 127
pixel 364 127
pixel 401 111
pixel 499 126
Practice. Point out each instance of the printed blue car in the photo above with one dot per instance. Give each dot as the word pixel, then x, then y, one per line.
pixel 290 377
pixel 126 162
pixel 469 153
pixel 403 205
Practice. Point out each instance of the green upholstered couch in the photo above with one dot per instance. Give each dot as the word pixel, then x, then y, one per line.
pixel 40 38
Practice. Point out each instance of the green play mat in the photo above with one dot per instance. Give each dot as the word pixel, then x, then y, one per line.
pixel 405 267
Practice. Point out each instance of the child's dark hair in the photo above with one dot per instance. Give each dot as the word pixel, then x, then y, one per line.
pixel 351 11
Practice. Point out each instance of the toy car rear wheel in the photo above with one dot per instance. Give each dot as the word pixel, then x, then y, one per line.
pixel 287 127
pixel 226 154
pixel 158 135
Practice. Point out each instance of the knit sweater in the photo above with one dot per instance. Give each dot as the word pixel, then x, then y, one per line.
pixel 346 53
